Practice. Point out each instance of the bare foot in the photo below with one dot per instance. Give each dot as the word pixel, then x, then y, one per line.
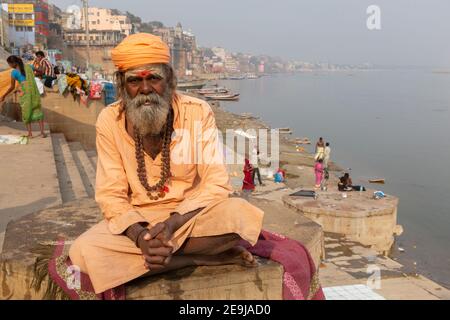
pixel 43 135
pixel 238 255
pixel 30 136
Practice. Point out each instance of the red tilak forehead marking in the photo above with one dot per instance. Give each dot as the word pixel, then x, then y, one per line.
pixel 144 73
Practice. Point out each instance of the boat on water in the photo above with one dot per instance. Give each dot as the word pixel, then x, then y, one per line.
pixel 191 85
pixel 214 90
pixel 377 181
pixel 223 97
pixel 284 130
pixel 302 141
pixel 240 77
pixel 252 76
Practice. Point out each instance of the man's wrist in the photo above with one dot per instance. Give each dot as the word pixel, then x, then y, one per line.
pixel 134 231
pixel 175 222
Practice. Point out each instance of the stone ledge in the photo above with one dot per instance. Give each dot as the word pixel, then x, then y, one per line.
pixel 25 236
pixel 359 217
pixel 218 283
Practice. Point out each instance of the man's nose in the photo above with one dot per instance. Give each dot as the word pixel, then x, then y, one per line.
pixel 146 87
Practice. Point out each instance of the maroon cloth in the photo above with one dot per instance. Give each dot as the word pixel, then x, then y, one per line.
pixel 300 280
pixel 248 176
pixel 75 284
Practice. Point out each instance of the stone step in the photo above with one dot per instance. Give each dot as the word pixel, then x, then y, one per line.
pixel 92 154
pixel 28 176
pixel 70 182
pixel 85 167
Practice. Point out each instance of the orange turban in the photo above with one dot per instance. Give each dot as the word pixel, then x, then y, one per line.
pixel 138 50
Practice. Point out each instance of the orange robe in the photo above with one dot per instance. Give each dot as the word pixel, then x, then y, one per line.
pixel 201 180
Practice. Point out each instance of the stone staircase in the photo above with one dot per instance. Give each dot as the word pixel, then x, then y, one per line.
pixel 76 170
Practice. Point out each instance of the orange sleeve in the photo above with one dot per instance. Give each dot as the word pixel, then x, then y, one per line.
pixel 214 182
pixel 111 188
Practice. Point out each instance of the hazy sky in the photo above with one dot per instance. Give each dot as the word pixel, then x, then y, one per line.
pixel 413 32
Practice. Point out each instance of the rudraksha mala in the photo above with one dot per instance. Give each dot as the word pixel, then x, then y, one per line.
pixel 160 189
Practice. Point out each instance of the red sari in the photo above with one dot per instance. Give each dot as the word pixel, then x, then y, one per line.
pixel 248 178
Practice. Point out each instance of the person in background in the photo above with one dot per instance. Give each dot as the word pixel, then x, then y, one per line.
pixel 345 183
pixel 280 176
pixel 45 69
pixel 255 162
pixel 320 149
pixel 247 184
pixel 29 97
pixel 318 170
pixel 327 154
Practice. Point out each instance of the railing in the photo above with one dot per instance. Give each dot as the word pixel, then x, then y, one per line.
pixel 92 42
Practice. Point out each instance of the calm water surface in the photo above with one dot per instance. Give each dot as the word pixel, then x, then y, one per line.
pixel 390 124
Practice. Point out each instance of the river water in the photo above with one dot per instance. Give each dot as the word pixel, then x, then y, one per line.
pixel 392 124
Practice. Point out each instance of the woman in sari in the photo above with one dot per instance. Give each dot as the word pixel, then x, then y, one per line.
pixel 318 170
pixel 30 99
pixel 248 185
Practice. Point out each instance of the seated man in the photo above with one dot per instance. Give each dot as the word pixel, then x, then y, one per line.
pixel 160 213
pixel 44 69
pixel 345 183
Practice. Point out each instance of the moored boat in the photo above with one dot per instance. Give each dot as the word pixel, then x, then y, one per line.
pixel 190 85
pixel 377 181
pixel 225 97
pixel 214 90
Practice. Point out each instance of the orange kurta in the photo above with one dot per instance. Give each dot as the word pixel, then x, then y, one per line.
pixel 199 179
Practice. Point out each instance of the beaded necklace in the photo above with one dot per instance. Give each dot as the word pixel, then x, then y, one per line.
pixel 160 189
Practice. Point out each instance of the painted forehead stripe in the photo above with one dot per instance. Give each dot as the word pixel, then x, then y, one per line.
pixel 145 71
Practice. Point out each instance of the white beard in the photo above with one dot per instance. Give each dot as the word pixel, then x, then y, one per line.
pixel 148 114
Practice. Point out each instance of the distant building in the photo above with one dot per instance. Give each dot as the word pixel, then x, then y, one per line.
pixel 21 25
pixel 97 37
pixel 105 28
pixel 101 19
pixel 28 23
pixel 4 28
pixel 262 67
pixel 220 52
pixel 186 57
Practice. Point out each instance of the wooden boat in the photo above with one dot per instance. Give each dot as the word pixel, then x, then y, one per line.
pixel 224 97
pixel 210 91
pixel 284 130
pixel 252 76
pixel 377 181
pixel 190 85
pixel 240 77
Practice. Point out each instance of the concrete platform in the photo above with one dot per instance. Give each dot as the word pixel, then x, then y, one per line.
pixel 27 236
pixel 350 263
pixel 359 217
pixel 28 176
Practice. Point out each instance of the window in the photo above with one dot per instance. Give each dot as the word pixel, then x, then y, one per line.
pixel 30 29
pixel 19 29
pixel 28 16
pixel 11 16
pixel 97 38
pixel 121 22
pixel 93 22
pixel 98 21
pixel 19 16
pixel 98 14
